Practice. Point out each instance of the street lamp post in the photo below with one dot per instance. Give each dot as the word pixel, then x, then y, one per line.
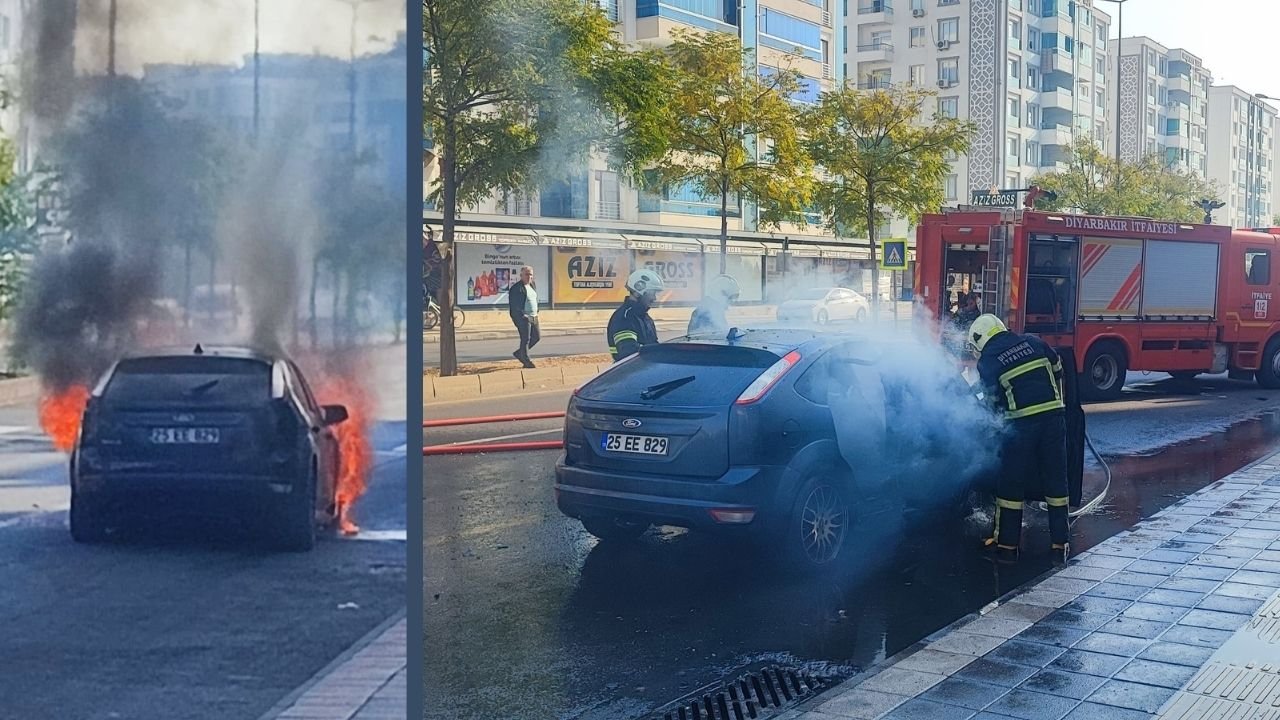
pixel 1119 37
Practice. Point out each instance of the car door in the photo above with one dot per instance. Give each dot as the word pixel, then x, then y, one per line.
pixel 324 440
pixel 843 304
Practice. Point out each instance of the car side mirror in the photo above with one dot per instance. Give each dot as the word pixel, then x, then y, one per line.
pixel 334 414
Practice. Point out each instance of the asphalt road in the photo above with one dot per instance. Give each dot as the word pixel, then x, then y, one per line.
pixel 527 617
pixel 194 623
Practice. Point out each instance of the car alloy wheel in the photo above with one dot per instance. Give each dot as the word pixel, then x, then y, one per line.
pixel 824 522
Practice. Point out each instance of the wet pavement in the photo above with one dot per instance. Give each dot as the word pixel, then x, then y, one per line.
pixel 527 617
pixel 1176 618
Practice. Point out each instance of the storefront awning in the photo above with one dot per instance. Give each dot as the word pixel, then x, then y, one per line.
pixel 734 247
pixel 494 236
pixel 844 253
pixel 567 238
pixel 806 251
pixel 663 242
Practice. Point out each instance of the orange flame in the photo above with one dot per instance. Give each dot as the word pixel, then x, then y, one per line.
pixel 355 449
pixel 60 415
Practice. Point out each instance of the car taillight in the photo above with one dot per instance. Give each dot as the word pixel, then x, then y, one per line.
pixel 768 378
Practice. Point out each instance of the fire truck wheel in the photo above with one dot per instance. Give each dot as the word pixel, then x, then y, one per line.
pixel 1268 374
pixel 1104 369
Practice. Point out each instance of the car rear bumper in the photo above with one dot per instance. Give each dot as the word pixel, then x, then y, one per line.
pixel 585 492
pixel 202 494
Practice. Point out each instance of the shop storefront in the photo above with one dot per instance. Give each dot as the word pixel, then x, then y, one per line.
pixel 587 268
pixel 677 260
pixel 489 262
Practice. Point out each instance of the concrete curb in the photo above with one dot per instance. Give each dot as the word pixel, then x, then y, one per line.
pixel 508 382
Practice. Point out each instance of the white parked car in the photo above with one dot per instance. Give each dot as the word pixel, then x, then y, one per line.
pixel 824 305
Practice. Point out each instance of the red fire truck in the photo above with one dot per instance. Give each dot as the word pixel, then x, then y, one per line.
pixel 1114 293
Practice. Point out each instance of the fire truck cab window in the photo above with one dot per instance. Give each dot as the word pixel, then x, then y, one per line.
pixel 1050 299
pixel 1257 267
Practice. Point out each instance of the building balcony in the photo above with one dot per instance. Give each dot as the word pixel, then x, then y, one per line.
pixel 875 84
pixel 1180 142
pixel 1180 84
pixel 1058 23
pixel 1177 111
pixel 871 12
pixel 875 52
pixel 1057 100
pixel 608 210
pixel 1054 134
pixel 1054 60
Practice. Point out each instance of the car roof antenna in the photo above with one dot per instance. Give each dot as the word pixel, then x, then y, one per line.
pixel 199 350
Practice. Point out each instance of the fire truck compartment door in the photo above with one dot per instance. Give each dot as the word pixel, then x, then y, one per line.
pixel 1110 277
pixel 1180 278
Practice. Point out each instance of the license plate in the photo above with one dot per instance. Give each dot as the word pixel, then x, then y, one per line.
pixel 184 436
pixel 640 444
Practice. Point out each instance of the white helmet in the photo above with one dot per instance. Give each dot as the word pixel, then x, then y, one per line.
pixel 646 283
pixel 983 329
pixel 723 287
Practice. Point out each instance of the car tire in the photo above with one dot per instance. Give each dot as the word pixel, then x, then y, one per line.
pixel 86 521
pixel 818 526
pixel 296 531
pixel 1105 366
pixel 861 316
pixel 823 319
pixel 1268 374
pixel 614 529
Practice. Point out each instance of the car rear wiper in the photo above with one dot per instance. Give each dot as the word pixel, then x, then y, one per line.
pixel 656 391
pixel 203 387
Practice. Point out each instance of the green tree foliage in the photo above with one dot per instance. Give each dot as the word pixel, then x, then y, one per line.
pixel 734 133
pixel 520 92
pixel 18 239
pixel 880 160
pixel 1097 184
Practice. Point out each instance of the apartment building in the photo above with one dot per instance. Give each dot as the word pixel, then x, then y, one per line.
pixel 1031 74
pixel 800 34
pixel 1241 147
pixel 1164 105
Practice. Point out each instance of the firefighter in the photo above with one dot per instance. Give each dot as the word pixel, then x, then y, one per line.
pixel 1022 377
pixel 709 316
pixel 630 326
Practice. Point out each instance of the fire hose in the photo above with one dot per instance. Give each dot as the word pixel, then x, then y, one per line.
pixel 474 448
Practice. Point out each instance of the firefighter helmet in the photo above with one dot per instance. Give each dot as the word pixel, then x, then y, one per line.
pixel 643 282
pixel 983 329
pixel 723 287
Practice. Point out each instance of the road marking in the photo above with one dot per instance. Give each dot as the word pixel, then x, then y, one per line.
pixel 506 437
pixel 15 429
pixel 378 536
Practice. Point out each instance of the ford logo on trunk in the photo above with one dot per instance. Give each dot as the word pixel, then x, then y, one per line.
pixel 631 423
pixel 183 418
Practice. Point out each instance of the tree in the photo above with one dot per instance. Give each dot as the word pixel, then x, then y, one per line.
pixel 734 133
pixel 1097 184
pixel 516 92
pixel 880 159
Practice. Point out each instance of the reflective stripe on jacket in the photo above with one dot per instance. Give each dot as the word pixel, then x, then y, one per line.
pixel 1022 375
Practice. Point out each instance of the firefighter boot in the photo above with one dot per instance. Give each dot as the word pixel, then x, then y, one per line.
pixel 1004 554
pixel 1060 553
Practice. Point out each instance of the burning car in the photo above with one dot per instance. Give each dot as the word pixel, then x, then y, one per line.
pixel 788 436
pixel 224 432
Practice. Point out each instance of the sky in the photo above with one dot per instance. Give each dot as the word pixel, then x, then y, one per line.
pixel 1234 38
pixel 221 31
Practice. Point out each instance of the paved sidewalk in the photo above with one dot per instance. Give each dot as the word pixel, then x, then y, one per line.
pixel 367 683
pixel 1178 617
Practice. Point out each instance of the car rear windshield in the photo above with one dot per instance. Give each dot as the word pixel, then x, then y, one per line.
pixel 190 381
pixel 719 375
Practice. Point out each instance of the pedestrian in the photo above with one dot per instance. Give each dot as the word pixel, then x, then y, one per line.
pixel 522 303
pixel 630 327
pixel 1021 377
pixel 711 313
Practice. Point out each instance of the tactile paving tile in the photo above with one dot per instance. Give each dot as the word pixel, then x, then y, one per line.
pixel 1198 707
pixel 1256 684
pixel 1266 622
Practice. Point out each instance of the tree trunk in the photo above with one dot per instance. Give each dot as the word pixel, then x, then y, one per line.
pixel 448 175
pixel 315 280
pixel 875 265
pixel 724 223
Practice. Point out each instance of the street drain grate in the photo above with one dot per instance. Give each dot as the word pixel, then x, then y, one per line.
pixel 760 694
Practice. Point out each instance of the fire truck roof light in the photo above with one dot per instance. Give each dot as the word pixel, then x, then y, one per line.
pixel 966 230
pixel 1186 227
pixel 1054 218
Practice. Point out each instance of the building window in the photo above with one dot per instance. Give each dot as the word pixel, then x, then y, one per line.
pixel 1100 99
pixel 1033 78
pixel 1033 39
pixel 1033 115
pixel 609 196
pixel 1101 66
pixel 951 186
pixel 949 30
pixel 943 3
pixel 1101 36
pixel 1015 35
pixel 713 9
pixel 565 199
pixel 949 70
pixel 1012 145
pixel 917 75
pixel 917 37
pixel 1015 73
pixel 786 27
pixel 1033 154
pixel 1015 112
pixel 949 107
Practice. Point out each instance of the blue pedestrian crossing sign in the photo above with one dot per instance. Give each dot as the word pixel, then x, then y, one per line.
pixel 893 254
